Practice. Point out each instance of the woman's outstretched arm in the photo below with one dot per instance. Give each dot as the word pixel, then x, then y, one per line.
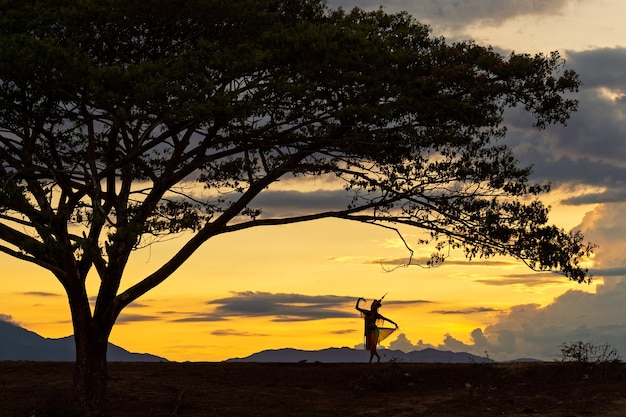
pixel 357 305
pixel 380 316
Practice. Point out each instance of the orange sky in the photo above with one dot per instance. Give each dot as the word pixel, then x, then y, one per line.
pixel 321 258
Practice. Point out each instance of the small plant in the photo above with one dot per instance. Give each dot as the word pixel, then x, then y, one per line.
pixel 585 352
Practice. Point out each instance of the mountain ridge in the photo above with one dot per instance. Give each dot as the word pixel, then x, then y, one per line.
pixel 20 344
pixel 345 355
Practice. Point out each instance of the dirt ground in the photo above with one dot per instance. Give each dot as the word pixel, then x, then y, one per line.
pixel 38 389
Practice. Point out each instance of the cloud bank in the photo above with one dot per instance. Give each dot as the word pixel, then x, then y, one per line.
pixel 459 13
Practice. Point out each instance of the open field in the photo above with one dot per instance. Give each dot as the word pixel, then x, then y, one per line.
pixel 316 389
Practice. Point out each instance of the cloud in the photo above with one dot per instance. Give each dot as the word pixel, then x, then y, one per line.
pixel 283 307
pixel 277 307
pixel 606 227
pixel 138 304
pixel 535 331
pixel 131 318
pixel 296 201
pixel 533 279
pixel 8 318
pixel 464 311
pixel 404 344
pixel 531 330
pixel 611 195
pixel 455 345
pixel 344 331
pixel 41 294
pixel 610 272
pixel 591 149
pixel 198 317
pixel 231 332
pixel 284 203
pixel 601 67
pixel 489 12
pixel 459 13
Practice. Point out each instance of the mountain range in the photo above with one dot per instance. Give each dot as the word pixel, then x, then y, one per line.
pixel 345 354
pixel 19 344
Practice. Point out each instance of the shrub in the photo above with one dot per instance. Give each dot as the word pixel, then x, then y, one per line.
pixel 585 352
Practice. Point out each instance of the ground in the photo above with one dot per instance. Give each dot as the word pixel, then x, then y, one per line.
pixel 552 389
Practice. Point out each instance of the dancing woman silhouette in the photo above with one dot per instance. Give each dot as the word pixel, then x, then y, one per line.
pixel 372 331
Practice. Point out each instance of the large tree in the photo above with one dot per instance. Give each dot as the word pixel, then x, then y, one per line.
pixel 123 121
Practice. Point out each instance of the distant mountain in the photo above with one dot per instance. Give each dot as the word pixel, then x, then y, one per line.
pixel 524 360
pixel 335 355
pixel 17 343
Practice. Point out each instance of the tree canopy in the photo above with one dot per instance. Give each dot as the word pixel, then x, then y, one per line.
pixel 123 121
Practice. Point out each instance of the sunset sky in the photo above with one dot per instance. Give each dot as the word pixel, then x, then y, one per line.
pixel 296 286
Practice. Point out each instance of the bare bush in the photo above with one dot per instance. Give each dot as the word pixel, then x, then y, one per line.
pixel 585 352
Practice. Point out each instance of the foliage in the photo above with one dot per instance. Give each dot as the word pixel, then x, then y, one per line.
pixel 585 352
pixel 122 122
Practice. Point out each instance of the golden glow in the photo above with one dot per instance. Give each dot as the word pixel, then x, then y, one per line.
pixel 581 26
pixel 613 95
pixel 318 258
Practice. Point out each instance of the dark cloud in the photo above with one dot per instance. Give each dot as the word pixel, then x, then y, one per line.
pixel 459 13
pixel 595 135
pixel 283 307
pixel 600 68
pixel 609 272
pixel 472 310
pixel 41 294
pixel 231 332
pixel 131 318
pixel 532 279
pixel 291 203
pixel 615 194
pixel 8 318
pixel 591 149
pixel 492 12
pixel 344 331
pixel 198 317
pixel 137 304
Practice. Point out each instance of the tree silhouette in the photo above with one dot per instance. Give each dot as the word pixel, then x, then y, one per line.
pixel 125 121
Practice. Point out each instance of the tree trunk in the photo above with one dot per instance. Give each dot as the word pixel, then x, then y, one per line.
pixel 90 371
